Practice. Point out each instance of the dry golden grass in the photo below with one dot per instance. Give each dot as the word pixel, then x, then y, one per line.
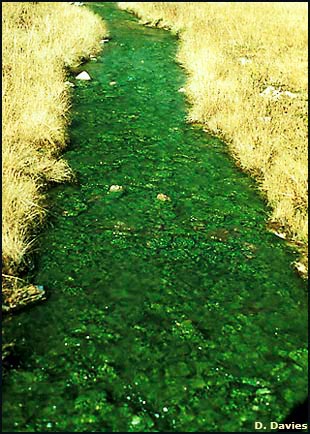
pixel 39 41
pixel 233 52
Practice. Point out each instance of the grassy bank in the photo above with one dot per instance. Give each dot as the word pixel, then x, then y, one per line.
pixel 247 82
pixel 40 40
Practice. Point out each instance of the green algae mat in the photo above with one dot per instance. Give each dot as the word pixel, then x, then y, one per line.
pixel 171 307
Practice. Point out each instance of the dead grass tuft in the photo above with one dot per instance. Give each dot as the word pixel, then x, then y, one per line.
pixel 39 41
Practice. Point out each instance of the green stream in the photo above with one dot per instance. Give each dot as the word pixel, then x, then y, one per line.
pixel 177 315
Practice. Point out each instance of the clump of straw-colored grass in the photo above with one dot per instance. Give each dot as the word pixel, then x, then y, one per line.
pixel 40 40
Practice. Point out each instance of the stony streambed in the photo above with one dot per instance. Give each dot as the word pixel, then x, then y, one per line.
pixel 171 307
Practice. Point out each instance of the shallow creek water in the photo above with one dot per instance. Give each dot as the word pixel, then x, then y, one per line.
pixel 176 315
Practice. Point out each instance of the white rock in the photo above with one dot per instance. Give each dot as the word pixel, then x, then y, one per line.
pixel 280 235
pixel 68 83
pixel 103 41
pixel 83 76
pixel 290 94
pixel 276 94
pixel 268 91
pixel 181 90
pixel 271 92
pixel 163 197
pixel 115 188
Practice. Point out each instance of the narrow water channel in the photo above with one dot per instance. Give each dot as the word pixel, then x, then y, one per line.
pixel 169 315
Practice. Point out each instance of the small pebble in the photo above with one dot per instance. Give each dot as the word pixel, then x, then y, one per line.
pixel 68 83
pixel 163 197
pixel 115 188
pixel 83 76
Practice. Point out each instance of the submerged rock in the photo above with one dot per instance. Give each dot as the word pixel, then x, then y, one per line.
pixel 163 197
pixel 136 420
pixel 116 188
pixel 83 76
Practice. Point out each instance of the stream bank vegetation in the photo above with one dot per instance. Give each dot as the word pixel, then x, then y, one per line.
pixel 41 41
pixel 247 83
